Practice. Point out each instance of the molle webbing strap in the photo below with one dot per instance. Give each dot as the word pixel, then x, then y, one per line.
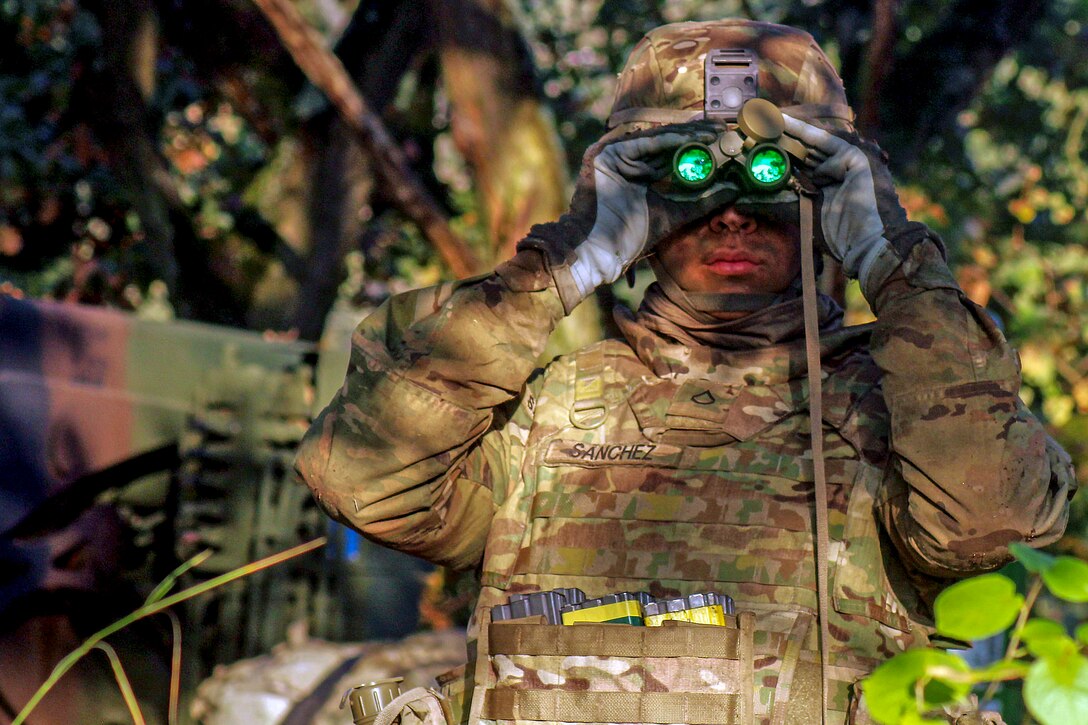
pixel 746 621
pixel 508 638
pixel 788 669
pixel 815 397
pixel 617 707
pixel 589 408
pixel 732 646
pixel 479 674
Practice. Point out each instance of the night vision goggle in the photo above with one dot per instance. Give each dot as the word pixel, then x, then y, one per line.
pixel 754 146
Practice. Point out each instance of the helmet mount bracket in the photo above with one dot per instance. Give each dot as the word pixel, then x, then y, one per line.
pixel 731 77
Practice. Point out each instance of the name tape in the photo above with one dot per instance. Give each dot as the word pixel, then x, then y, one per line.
pixel 578 453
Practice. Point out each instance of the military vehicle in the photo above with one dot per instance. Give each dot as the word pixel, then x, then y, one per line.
pixel 129 445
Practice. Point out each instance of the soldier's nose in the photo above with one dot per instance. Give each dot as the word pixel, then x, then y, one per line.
pixel 729 219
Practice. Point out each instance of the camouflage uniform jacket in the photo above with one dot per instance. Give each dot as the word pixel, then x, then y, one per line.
pixel 641 465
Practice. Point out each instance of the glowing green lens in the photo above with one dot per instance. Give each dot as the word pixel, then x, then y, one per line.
pixel 768 165
pixel 694 165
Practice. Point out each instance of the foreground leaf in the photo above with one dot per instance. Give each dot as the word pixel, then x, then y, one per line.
pixel 977 608
pixel 890 690
pixel 1068 579
pixel 1056 690
pixel 1082 633
pixel 1033 560
pixel 1047 638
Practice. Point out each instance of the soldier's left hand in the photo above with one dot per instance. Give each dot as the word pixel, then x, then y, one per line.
pixel 858 202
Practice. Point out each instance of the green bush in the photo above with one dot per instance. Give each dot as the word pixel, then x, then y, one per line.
pixel 914 686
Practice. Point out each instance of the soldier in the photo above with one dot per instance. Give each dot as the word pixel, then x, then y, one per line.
pixel 679 459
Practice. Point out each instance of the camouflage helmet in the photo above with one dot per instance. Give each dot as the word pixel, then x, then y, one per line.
pixel 662 81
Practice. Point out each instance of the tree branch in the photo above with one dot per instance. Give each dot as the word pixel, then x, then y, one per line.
pixel 391 167
pixel 384 40
pixel 878 64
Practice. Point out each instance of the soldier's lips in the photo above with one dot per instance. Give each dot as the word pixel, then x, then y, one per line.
pixel 732 264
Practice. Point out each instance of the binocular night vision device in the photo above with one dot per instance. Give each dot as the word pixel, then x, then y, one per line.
pixel 755 148
pixel 754 145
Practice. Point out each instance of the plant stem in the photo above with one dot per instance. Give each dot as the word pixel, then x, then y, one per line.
pixel 123 683
pixel 175 669
pixel 975 677
pixel 1014 641
pixel 148 609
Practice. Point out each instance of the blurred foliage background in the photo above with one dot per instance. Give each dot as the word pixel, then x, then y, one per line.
pixel 168 157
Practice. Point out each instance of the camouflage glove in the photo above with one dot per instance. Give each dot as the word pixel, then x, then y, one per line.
pixel 615 214
pixel 862 224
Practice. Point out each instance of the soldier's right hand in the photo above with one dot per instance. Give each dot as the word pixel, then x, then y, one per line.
pixel 862 223
pixel 616 215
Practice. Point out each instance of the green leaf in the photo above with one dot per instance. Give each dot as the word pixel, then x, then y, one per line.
pixel 1032 559
pixel 1068 579
pixel 1037 627
pixel 1056 690
pixel 167 584
pixel 1082 633
pixel 889 691
pixel 1046 638
pixel 978 607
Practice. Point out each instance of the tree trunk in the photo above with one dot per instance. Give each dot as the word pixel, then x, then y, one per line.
pixel 507 135
pixel 499 122
pixel 878 64
pixel 120 121
pixel 171 251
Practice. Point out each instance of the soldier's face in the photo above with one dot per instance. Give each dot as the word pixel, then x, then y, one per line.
pixel 735 253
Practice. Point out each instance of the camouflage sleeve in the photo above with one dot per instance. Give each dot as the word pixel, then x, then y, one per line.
pixel 971 470
pixel 409 450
